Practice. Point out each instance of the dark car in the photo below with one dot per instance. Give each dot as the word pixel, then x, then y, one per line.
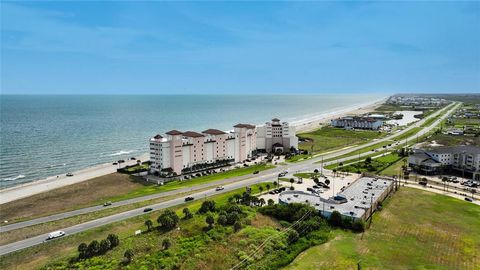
pixel 132 158
pixel 187 199
pixel 121 161
pixel 114 163
pixel 69 174
pixel 147 209
pixel 256 172
pixel 271 192
pixel 282 189
pixel 468 199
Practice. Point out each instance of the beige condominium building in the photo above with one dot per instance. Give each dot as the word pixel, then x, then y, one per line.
pixel 178 151
pixel 276 136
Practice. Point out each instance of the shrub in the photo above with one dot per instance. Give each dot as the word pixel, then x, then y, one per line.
pixel 168 219
pixel 292 236
pixel 207 206
pixel 149 224
pixel 237 226
pixel 82 250
pixel 114 241
pixel 222 220
pixel 104 246
pixel 232 218
pixel 187 214
pixel 166 243
pixel 358 226
pixel 335 219
pixel 93 248
pixel 270 202
pixel 210 220
pixel 128 255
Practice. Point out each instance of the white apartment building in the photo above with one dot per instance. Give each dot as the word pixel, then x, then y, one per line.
pixel 464 158
pixel 276 136
pixel 177 151
pixel 357 122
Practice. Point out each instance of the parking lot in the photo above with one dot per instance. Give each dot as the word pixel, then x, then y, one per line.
pixel 306 184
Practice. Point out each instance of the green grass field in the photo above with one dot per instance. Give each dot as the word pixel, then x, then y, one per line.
pixel 415 230
pixel 329 138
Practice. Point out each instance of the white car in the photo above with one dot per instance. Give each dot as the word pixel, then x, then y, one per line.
pixel 55 234
pixel 219 188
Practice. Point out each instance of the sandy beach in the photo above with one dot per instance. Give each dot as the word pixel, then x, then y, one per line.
pixel 50 183
pixel 325 118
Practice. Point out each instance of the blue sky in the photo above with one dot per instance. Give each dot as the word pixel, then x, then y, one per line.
pixel 239 47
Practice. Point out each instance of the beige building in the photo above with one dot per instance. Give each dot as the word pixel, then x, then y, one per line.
pixel 276 136
pixel 188 151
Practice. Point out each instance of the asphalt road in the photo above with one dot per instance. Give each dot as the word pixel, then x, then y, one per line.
pixel 234 183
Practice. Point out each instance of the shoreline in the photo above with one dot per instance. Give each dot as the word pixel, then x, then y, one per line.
pixel 53 182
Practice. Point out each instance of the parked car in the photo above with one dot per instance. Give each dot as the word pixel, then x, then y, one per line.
pixel 55 234
pixel 271 192
pixel 219 188
pixel 256 172
pixel 114 163
pixel 121 161
pixel 132 158
pixel 187 199
pixel 69 174
pixel 468 199
pixel 107 203
pixel 147 210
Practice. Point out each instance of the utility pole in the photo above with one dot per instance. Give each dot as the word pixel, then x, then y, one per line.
pixel 321 168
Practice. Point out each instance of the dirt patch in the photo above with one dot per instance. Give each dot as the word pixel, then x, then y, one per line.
pixel 68 198
pixel 261 221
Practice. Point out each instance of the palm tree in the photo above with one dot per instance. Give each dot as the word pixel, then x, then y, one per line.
pixel 166 243
pixel 260 188
pixel 262 201
pixel 291 182
pixel 268 186
pixel 149 224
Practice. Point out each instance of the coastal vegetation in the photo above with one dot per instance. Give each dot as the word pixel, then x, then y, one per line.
pixel 368 164
pixel 415 230
pixel 330 138
pixel 112 187
pixel 225 230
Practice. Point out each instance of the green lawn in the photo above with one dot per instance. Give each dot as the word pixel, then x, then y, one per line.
pixel 153 188
pixel 415 230
pixel 329 138
pixel 375 165
pixel 394 169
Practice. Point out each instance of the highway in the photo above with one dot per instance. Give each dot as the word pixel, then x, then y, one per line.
pixel 229 184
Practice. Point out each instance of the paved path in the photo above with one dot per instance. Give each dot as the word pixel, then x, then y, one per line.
pixel 238 182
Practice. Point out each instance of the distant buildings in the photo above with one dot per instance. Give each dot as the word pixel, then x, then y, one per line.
pixel 357 122
pixel 276 136
pixel 417 101
pixel 464 158
pixel 184 152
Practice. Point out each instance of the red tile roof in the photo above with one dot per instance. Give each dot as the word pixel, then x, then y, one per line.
pixel 192 134
pixel 213 131
pixel 244 126
pixel 174 132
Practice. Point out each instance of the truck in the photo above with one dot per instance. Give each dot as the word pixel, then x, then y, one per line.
pixel 55 234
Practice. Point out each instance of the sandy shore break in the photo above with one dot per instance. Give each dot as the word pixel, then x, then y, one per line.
pixel 53 182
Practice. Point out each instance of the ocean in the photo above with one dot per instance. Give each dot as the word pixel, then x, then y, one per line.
pixel 49 135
